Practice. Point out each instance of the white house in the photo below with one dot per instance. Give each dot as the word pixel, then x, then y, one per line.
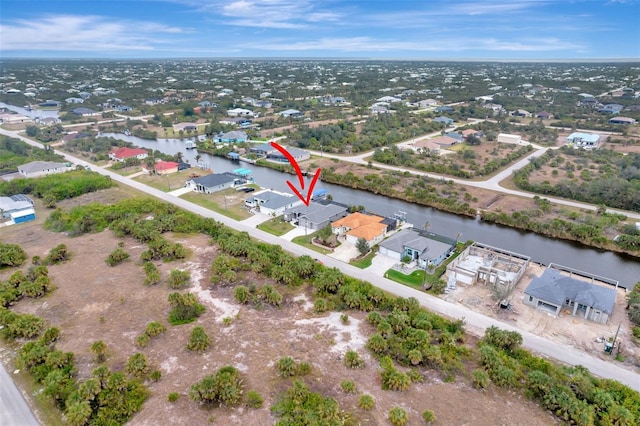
pixel 42 168
pixel 507 138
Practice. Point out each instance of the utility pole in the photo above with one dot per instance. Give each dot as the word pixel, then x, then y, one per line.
pixel 613 345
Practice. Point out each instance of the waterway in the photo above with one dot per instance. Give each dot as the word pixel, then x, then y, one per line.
pixel 32 113
pixel 543 250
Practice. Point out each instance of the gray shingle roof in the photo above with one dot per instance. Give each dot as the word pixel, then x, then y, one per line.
pixel 214 179
pixel 554 287
pixel 419 241
pixel 39 166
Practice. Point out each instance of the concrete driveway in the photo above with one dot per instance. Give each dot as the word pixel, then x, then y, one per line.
pixel 345 252
pixel 380 264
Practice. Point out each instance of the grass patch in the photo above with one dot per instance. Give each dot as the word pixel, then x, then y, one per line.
pixel 276 226
pixel 414 279
pixel 207 201
pixel 365 262
pixel 305 241
pixel 166 183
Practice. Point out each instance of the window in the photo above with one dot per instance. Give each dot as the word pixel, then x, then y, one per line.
pixel 530 298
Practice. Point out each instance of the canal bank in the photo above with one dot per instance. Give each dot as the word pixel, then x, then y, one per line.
pixel 543 250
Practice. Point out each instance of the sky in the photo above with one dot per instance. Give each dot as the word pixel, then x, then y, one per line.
pixel 363 29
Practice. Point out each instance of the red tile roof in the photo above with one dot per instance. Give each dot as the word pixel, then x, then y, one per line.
pixel 166 165
pixel 124 152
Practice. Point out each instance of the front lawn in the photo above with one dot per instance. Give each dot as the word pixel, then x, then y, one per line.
pixel 305 241
pixel 218 201
pixel 276 226
pixel 365 262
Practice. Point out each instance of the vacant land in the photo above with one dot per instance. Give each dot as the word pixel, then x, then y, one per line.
pixel 96 302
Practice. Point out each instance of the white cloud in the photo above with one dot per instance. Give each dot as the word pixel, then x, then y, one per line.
pixel 369 44
pixel 82 33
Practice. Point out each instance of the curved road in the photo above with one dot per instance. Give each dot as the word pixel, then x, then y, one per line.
pixel 475 323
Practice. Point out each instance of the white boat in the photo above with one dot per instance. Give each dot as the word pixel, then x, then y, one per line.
pixel 190 145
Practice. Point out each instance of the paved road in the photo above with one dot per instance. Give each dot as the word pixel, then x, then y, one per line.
pixel 475 323
pixel 14 410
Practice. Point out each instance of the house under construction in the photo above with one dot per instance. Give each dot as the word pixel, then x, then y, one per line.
pixel 482 264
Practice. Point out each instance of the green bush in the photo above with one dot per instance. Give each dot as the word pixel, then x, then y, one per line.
pixel 142 340
pixel 117 256
pixel 353 360
pixel 56 255
pixel 184 308
pixel 254 399
pixel 286 366
pixel 398 416
pixel 428 416
pixel 480 379
pixel 348 386
pixel 178 279
pixel 11 255
pixel 225 387
pixel 366 402
pixel 152 275
pixel 199 340
pixel 173 396
pixel 137 366
pixel 303 368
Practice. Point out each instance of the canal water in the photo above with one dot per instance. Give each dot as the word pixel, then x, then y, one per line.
pixel 543 250
pixel 32 113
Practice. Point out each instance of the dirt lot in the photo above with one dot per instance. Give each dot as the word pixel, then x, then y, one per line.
pixel 96 302
pixel 565 329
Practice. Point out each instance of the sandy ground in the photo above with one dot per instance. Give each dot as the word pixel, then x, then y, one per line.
pixel 96 302
pixel 565 328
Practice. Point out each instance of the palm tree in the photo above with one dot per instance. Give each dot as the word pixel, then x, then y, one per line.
pixel 78 414
pixel 198 157
pixel 398 416
pixel 199 341
pixel 179 156
pixel 99 349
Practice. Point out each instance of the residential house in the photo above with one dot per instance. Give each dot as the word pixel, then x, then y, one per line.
pixel 17 208
pixel 359 225
pixel 426 103
pixel 427 146
pixel 42 168
pixel 554 291
pixel 270 153
pixel 232 137
pixel 611 109
pixel 521 113
pixel 185 127
pixel 444 120
pixel 334 100
pixel 472 132
pixel 455 135
pixel 443 141
pixel 166 167
pixel 84 112
pixel 291 113
pixel 379 109
pixel 9 118
pixel 622 120
pixel 211 183
pixel 544 115
pixel 584 140
pixel 389 99
pixel 425 248
pixel 238 121
pixel 240 112
pixel 272 203
pixel 444 108
pixel 507 138
pixel 123 153
pixel 74 100
pixel 317 215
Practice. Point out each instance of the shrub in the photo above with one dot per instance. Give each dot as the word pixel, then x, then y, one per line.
pixel 398 416
pixel 480 379
pixel 178 279
pixel 11 255
pixel 241 294
pixel 224 387
pixel 254 399
pixel 286 366
pixel 185 308
pixel 303 369
pixel 152 275
pixel 155 375
pixel 428 416
pixel 199 341
pixel 344 318
pixel 353 360
pixel 58 254
pixel 155 329
pixel 137 366
pixel 348 386
pixel 366 402
pixel 320 305
pixel 142 340
pixel 116 257
pixel 173 396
